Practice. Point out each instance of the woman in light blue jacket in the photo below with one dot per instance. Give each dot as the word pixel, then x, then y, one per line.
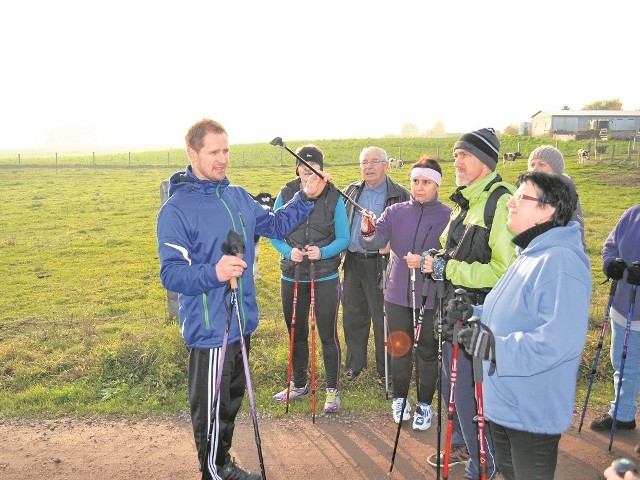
pixel 533 330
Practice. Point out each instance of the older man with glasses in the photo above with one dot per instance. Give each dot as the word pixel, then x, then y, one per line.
pixel 362 302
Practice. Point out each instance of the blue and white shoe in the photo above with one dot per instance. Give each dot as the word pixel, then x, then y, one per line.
pixel 396 408
pixel 422 416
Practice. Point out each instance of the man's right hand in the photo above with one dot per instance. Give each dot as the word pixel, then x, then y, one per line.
pixel 367 223
pixel 229 266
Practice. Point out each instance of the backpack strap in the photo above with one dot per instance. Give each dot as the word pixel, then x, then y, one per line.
pixel 492 202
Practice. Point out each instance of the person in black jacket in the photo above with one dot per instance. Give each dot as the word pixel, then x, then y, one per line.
pixel 363 299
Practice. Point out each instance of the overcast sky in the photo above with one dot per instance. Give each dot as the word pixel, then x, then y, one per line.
pixel 139 73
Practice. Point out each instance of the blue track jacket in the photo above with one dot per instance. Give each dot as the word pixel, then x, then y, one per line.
pixel 538 312
pixel 192 225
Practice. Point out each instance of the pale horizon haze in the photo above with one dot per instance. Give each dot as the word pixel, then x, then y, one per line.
pixel 139 73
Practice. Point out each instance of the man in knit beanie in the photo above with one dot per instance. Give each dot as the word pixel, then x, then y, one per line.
pixel 483 144
pixel 474 256
pixel 546 159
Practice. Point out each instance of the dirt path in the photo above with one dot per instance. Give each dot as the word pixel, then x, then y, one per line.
pixel 338 447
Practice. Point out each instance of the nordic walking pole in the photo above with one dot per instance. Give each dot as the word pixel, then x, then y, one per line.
pixel 460 292
pixel 385 324
pixel 440 293
pixel 278 142
pixel 633 278
pixel 477 378
pixel 404 399
pixel 233 244
pixel 603 332
pixel 292 333
pixel 245 361
pixel 312 276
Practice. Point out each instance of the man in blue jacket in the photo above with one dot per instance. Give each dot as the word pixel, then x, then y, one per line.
pixel 192 226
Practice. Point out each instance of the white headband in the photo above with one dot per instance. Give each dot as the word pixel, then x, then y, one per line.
pixel 428 173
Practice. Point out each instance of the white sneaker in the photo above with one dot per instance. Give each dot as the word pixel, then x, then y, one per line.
pixel 422 416
pixel 396 408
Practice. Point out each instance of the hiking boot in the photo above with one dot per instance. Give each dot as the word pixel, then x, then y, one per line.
pixel 605 422
pixel 332 401
pixel 422 416
pixel 294 394
pixel 231 471
pixel 459 454
pixel 396 408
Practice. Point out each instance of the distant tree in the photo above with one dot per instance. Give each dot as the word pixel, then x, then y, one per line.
pixel 438 130
pixel 409 130
pixel 613 104
pixel 510 130
pixel 566 107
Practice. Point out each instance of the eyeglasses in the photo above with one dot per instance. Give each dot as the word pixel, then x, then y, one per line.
pixel 366 163
pixel 521 196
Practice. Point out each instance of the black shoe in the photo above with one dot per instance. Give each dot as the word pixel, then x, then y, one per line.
pixel 231 471
pixel 352 374
pixel 605 422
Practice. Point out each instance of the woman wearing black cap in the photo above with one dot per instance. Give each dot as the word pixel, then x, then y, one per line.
pixel 319 239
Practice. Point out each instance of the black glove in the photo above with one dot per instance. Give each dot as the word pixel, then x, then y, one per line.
pixel 457 310
pixel 615 269
pixel 478 341
pixel 633 273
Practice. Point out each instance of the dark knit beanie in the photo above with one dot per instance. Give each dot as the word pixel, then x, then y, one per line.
pixel 310 153
pixel 483 144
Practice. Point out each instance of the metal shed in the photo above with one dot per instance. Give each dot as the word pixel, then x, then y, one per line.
pixel 615 123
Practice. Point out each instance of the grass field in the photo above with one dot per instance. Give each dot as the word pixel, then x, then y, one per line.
pixel 83 317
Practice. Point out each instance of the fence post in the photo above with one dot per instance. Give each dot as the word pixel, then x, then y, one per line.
pixel 56 159
pixel 172 297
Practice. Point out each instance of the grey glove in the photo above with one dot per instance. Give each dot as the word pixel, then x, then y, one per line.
pixel 478 341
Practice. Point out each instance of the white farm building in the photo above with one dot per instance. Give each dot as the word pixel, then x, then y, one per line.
pixel 612 123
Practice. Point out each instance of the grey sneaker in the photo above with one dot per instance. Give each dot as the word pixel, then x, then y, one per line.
pixel 459 454
pixel 294 394
pixel 231 471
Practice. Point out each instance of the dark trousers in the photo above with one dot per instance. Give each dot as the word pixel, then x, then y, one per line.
pixel 524 455
pixel 204 365
pixel 465 410
pixel 327 300
pixel 400 322
pixel 362 304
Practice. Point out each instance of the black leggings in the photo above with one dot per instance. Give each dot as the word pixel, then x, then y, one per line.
pixel 400 322
pixel 327 300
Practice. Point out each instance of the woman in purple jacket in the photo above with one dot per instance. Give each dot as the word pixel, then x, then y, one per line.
pixel 411 228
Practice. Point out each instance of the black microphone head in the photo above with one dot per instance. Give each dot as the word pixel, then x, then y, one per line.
pixel 277 142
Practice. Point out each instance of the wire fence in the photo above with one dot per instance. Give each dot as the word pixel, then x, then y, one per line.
pixel 336 152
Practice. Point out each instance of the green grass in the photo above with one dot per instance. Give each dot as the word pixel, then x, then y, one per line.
pixel 83 317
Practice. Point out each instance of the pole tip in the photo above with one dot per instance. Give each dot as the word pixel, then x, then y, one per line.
pixel 277 142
